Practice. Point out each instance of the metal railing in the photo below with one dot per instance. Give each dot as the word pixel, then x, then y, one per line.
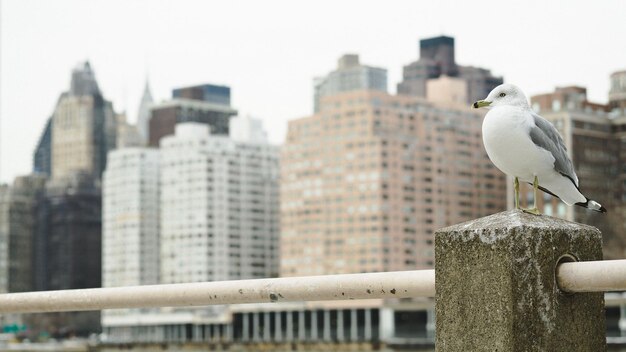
pixel 593 276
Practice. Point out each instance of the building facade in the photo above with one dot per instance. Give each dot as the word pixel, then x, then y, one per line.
pixel 219 207
pixel 367 180
pixel 350 75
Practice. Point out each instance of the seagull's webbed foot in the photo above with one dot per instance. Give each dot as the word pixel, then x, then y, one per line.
pixel 533 211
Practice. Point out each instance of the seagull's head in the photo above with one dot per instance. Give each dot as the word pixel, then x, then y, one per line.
pixel 504 94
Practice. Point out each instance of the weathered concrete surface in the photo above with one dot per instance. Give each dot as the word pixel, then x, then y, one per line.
pixel 496 289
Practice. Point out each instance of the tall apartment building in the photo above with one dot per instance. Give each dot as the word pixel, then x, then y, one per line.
pixel 207 104
pixel 367 180
pixel 437 59
pixel 218 220
pixel 350 75
pixel 83 127
pixel 219 207
pixel 18 209
pixel 130 218
pixel 593 140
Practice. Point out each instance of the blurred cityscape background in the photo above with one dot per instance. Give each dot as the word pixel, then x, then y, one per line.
pixel 187 188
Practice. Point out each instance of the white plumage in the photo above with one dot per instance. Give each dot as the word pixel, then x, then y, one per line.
pixel 528 147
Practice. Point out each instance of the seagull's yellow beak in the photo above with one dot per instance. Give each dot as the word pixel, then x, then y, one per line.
pixel 481 103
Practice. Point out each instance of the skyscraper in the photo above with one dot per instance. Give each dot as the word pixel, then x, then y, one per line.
pixel 436 60
pixel 42 158
pixel 367 181
pixel 83 127
pixel 219 207
pixel 72 153
pixel 207 104
pixel 143 115
pixel 350 75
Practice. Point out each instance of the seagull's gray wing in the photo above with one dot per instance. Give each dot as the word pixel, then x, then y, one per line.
pixel 546 136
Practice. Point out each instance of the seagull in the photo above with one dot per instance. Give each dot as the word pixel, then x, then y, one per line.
pixel 528 147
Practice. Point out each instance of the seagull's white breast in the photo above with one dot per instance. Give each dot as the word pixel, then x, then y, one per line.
pixel 508 144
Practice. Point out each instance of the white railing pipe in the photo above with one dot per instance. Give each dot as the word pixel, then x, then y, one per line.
pixel 399 284
pixel 593 276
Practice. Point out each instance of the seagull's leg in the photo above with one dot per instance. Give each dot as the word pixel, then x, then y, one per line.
pixel 534 209
pixel 516 184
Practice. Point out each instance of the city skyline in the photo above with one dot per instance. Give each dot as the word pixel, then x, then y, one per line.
pixel 273 79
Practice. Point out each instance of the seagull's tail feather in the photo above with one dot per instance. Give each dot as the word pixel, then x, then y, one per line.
pixel 592 205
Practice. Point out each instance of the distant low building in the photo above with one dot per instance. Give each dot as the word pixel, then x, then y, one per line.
pixel 127 134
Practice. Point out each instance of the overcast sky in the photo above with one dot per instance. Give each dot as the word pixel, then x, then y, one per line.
pixel 269 51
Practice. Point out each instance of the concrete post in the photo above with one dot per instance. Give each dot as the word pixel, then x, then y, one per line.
pixel 496 289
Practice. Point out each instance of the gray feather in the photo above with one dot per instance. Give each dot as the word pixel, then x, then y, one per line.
pixel 546 136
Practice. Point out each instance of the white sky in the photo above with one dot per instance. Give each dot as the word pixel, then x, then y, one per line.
pixel 269 51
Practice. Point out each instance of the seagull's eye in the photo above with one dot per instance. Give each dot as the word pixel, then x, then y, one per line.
pixel 502 95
